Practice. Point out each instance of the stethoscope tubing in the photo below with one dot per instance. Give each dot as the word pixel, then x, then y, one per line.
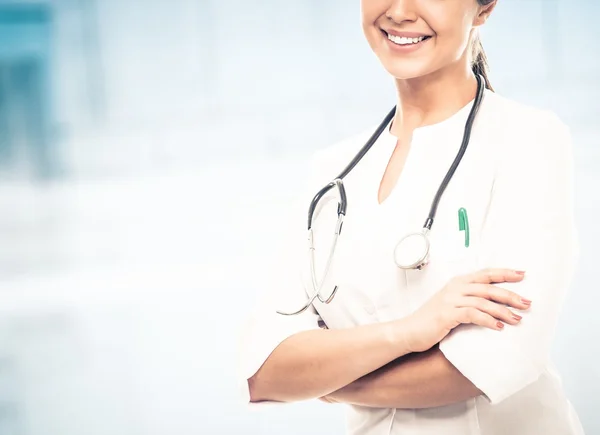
pixel 343 201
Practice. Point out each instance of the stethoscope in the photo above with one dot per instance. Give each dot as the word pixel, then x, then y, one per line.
pixel 412 251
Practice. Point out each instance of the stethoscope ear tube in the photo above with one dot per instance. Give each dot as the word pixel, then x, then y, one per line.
pixel 343 204
pixel 318 286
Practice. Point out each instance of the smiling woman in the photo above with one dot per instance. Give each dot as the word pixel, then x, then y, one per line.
pixel 458 342
pixel 434 33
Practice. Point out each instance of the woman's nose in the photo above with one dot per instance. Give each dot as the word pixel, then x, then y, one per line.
pixel 401 11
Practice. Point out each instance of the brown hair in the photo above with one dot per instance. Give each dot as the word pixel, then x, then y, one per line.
pixel 480 62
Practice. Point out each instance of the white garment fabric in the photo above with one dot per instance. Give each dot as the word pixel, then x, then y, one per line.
pixel 516 183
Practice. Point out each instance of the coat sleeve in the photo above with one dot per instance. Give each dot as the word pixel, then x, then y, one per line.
pixel 286 274
pixel 529 226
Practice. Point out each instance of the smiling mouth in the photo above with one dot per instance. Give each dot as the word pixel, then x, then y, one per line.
pixel 403 40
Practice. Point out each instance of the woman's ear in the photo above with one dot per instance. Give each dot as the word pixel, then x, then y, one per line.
pixel 484 13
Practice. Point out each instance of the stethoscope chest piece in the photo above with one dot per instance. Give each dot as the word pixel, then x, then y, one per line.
pixel 412 251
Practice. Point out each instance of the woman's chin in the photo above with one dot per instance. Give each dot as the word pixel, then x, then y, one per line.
pixel 406 70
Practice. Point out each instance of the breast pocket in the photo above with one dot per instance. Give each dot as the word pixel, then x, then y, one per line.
pixel 455 237
pixel 452 246
pixel 453 254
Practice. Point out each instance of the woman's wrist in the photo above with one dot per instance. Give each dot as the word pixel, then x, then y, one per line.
pixel 401 335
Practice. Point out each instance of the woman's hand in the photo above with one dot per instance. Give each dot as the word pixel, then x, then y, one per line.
pixel 466 299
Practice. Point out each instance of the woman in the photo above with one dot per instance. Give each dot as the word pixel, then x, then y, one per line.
pixel 456 348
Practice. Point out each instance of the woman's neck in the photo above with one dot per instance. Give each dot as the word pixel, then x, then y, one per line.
pixel 432 98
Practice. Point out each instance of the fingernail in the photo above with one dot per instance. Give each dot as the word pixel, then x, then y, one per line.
pixel 517 317
pixel 500 325
pixel 526 301
pixel 520 272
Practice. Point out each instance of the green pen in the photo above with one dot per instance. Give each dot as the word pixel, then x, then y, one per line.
pixel 463 224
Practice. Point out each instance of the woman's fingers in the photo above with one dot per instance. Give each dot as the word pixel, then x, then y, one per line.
pixel 488 304
pixel 477 317
pixel 482 286
pixel 497 311
pixel 498 294
pixel 491 276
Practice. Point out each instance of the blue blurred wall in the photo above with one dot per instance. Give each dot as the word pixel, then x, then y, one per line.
pixel 149 85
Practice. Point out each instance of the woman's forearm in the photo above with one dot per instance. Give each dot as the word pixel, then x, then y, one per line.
pixel 314 363
pixel 420 380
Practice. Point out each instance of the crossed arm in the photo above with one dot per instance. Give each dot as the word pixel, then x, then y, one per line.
pixel 418 380
pixel 537 180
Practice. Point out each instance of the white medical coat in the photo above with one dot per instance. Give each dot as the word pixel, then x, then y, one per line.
pixel 516 183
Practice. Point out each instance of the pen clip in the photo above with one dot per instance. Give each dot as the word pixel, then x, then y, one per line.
pixel 463 224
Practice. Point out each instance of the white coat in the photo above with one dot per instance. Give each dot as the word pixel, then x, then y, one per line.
pixel 516 183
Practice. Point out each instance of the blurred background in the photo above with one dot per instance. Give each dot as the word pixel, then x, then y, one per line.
pixel 148 151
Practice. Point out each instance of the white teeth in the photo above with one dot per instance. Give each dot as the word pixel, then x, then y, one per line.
pixel 401 40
